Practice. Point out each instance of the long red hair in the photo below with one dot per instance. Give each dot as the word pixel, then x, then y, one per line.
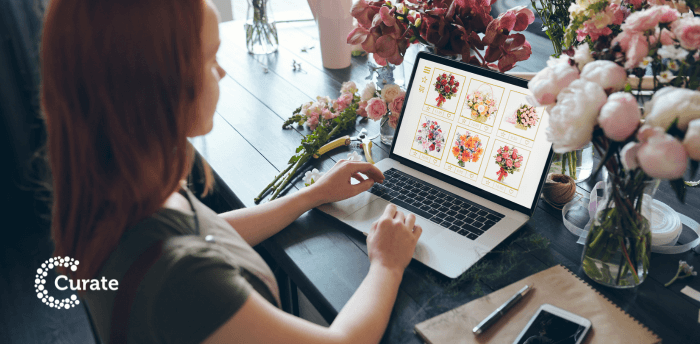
pixel 120 85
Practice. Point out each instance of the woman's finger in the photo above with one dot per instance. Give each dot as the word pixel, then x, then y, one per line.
pixel 390 211
pixel 367 169
pixel 358 177
pixel 410 221
pixel 417 231
pixel 400 217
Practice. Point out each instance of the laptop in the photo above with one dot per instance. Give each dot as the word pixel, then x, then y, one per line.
pixel 469 159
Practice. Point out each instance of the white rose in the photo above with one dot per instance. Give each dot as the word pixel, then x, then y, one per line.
pixel 368 92
pixel 582 56
pixel 669 103
pixel 572 119
pixel 609 75
pixel 691 143
pixel 389 92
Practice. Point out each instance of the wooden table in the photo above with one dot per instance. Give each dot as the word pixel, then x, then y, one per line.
pixel 327 260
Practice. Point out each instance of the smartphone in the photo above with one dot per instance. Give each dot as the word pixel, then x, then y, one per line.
pixel 553 325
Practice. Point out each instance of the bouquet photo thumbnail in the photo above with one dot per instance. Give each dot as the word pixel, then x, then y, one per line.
pixel 524 117
pixel 430 136
pixel 508 160
pixel 482 105
pixel 467 148
pixel 446 87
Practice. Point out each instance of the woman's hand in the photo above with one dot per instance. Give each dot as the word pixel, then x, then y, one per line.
pixel 336 184
pixel 392 239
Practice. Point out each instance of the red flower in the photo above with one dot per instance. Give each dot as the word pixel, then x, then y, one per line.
pixel 456 83
pixel 452 77
pixel 444 75
pixel 452 81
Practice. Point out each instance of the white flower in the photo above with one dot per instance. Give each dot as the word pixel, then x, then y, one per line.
pixel 669 103
pixel 325 101
pixel 547 83
pixel 553 61
pixel 672 52
pixel 572 119
pixel 582 55
pixel 672 65
pixel 609 75
pixel 665 76
pixel 368 92
pixel 645 62
pixel 312 176
pixel 354 156
pixel 348 87
pixel 389 92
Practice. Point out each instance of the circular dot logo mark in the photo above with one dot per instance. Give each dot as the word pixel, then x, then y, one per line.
pixel 40 283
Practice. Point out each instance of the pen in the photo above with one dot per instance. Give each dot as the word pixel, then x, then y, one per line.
pixel 500 311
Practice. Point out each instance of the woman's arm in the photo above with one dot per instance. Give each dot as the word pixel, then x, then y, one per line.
pixel 391 242
pixel 258 223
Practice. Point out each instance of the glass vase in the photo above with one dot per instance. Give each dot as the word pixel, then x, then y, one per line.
pixel 386 130
pixel 577 164
pixel 618 245
pixel 260 30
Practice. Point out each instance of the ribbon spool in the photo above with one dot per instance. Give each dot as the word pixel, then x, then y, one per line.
pixel 558 189
pixel 666 224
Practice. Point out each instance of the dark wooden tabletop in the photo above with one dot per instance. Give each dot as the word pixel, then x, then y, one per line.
pixel 328 260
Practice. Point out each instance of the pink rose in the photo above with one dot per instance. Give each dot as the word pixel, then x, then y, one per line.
pixel 641 21
pixel 361 109
pixel 515 151
pixel 376 108
pixel 515 156
pixel 665 37
pixel 499 151
pixel 517 164
pixel 397 104
pixel 394 119
pixel 687 30
pixel 499 159
pixel 509 163
pixel 620 116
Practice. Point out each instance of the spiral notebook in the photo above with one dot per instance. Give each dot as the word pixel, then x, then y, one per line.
pixel 556 286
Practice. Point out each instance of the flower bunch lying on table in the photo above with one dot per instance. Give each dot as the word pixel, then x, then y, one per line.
pixel 446 87
pixel 327 118
pixel 524 117
pixel 384 105
pixel 467 148
pixel 452 28
pixel 482 105
pixel 508 160
pixel 430 136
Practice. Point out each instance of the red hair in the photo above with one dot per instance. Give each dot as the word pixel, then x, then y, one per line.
pixel 120 86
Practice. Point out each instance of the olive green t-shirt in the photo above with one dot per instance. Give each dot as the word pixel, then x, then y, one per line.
pixel 195 286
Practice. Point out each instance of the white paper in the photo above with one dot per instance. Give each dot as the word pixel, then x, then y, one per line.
pixel 692 293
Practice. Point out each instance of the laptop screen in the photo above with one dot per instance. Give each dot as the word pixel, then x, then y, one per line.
pixel 475 129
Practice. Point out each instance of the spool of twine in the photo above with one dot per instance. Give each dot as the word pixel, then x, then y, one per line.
pixel 558 189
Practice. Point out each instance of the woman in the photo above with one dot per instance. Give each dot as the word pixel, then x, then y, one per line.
pixel 124 84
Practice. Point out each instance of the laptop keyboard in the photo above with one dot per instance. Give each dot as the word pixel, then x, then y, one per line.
pixel 458 214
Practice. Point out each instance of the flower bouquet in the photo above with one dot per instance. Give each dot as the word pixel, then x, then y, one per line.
pixel 452 28
pixel 482 106
pixel 508 160
pixel 590 101
pixel 446 87
pixel 467 148
pixel 430 136
pixel 524 117
pixel 327 118
pixel 384 106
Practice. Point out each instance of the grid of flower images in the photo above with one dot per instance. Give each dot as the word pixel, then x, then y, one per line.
pixel 430 138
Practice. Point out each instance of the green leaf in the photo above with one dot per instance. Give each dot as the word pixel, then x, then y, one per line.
pixel 678 186
pixel 299 148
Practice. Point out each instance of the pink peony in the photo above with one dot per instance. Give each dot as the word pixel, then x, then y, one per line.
pixel 609 75
pixel 620 116
pixel 573 118
pixel 687 30
pixel 376 108
pixel 635 46
pixel 662 156
pixel 547 84
pixel 691 142
pixel 670 103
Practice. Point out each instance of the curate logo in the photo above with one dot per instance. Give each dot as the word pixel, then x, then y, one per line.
pixel 72 301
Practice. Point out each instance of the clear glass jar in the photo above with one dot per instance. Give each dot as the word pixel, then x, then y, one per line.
pixel 260 30
pixel 618 246
pixel 577 164
pixel 386 131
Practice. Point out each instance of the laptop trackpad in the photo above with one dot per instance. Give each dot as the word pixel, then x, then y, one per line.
pixel 363 219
